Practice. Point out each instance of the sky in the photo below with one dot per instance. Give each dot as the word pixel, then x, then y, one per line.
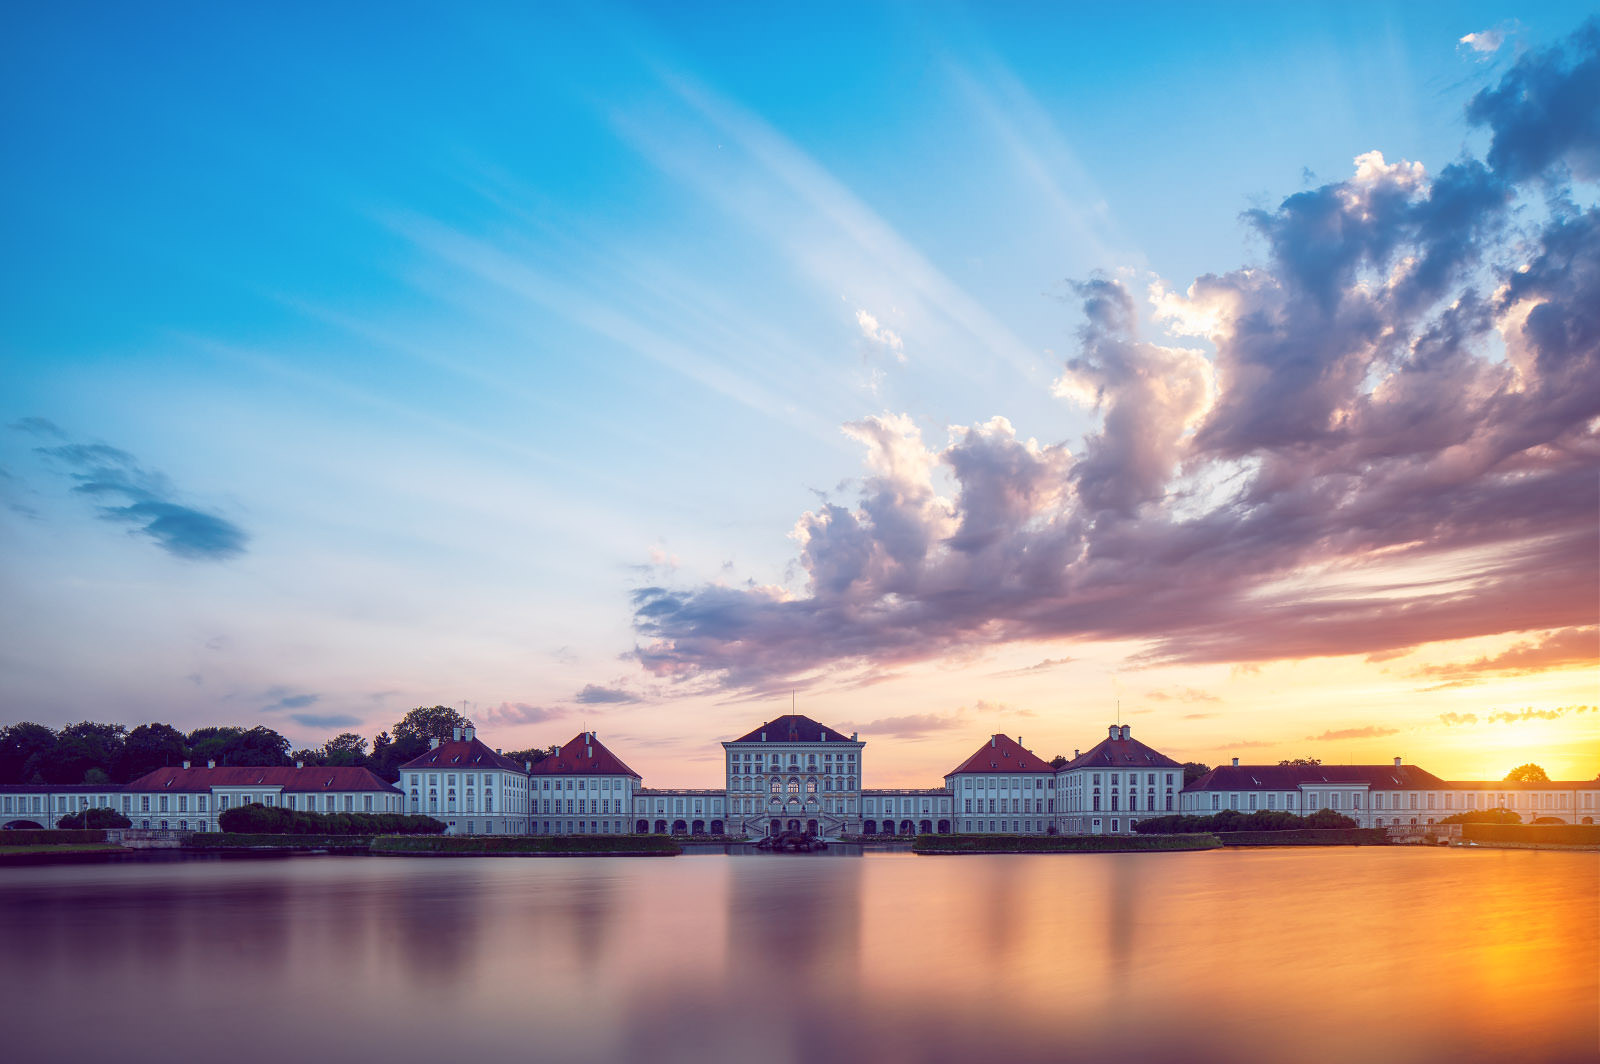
pixel 1229 370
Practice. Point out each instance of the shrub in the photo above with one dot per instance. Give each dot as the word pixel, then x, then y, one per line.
pixel 1484 816
pixel 257 819
pixel 1558 834
pixel 1307 837
pixel 1234 820
pixel 30 837
pixel 94 818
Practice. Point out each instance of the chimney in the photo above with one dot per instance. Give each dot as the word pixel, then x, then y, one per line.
pixel 1235 762
pixel 211 764
pixel 468 733
pixel 763 736
pixel 299 764
pixel 498 750
pixel 853 736
pixel 1114 731
pixel 433 743
pixel 455 735
pixel 1127 730
pixel 186 764
pixel 1397 765
pixel 1076 753
pixel 527 766
pixel 991 742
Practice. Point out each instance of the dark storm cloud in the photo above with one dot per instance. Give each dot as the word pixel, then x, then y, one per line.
pixel 132 495
pixel 1398 447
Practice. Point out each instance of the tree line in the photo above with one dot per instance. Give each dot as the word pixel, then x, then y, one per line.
pixel 95 753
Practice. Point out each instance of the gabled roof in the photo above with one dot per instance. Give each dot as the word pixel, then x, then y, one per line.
pixel 794 728
pixel 465 755
pixel 583 755
pixel 1292 777
pixel 286 778
pixel 1120 753
pixel 1002 754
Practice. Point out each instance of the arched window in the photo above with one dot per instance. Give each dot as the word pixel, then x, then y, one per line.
pixel 794 786
pixel 776 786
pixel 811 786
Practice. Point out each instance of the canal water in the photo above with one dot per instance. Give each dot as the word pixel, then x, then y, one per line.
pixel 1343 954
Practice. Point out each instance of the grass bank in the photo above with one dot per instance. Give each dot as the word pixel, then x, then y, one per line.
pixel 956 844
pixel 52 837
pixel 1584 835
pixel 231 840
pixel 528 845
pixel 1307 837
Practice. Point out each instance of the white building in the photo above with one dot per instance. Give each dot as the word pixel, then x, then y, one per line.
pixel 187 798
pixel 1118 783
pixel 40 805
pixel 680 812
pixel 582 789
pixel 1556 801
pixel 793 774
pixel 906 811
pixel 1003 788
pixel 473 789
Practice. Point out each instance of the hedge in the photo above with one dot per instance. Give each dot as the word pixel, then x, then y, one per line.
pixel 1549 834
pixel 946 844
pixel 1307 837
pixel 236 840
pixel 1233 820
pixel 257 819
pixel 51 837
pixel 663 845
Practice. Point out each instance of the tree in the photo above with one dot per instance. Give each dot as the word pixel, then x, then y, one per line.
pixel 1193 770
pixel 258 746
pixel 309 756
pixel 346 748
pixel 78 748
pixel 19 744
pixel 430 722
pixel 531 756
pixel 211 744
pixel 1483 816
pixel 1529 773
pixel 95 818
pixel 1302 762
pixel 1058 760
pixel 149 747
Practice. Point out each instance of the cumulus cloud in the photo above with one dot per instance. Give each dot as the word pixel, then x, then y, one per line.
pixel 594 694
pixel 1484 42
pixel 1393 443
pixel 1555 650
pixel 1369 732
pixel 132 495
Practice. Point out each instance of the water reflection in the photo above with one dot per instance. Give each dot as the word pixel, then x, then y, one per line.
pixel 1403 955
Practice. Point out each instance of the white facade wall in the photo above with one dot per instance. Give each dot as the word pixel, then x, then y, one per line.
pixel 475 801
pixel 582 804
pixel 1012 803
pixel 680 812
pixel 907 812
pixel 1106 800
pixel 794 784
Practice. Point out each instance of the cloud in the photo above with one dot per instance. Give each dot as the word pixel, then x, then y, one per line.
pixel 145 499
pixel 507 713
pixel 1369 732
pixel 913 726
pixel 1392 445
pixel 1556 650
pixel 883 337
pixel 1184 694
pixel 1040 666
pixel 1485 42
pixel 1513 716
pixel 284 700
pixel 325 720
pixel 593 694
pixel 1200 716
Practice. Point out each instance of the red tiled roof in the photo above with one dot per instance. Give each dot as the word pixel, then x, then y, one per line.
pixel 584 755
pixel 287 778
pixel 1291 777
pixel 1121 753
pixel 794 728
pixel 1002 754
pixel 463 754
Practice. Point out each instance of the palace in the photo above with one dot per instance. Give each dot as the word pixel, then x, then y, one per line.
pixel 795 774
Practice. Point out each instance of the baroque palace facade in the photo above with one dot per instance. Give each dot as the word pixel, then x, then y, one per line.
pixel 795 774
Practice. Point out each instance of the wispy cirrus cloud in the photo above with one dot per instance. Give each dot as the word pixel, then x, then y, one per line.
pixel 1182 694
pixel 1512 716
pixel 594 694
pixel 506 713
pixel 130 494
pixel 326 720
pixel 1357 469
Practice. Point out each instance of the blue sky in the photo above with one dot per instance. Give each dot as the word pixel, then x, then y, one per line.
pixel 435 335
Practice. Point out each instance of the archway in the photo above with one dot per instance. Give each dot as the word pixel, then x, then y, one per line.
pixel 680 828
pixel 811 827
pixel 944 827
pixel 926 827
pixel 24 825
pixel 716 827
pixel 775 828
pixel 1588 820
pixel 869 827
pixel 907 828
pixel 661 827
pixel 642 827
pixel 698 828
pixel 794 825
